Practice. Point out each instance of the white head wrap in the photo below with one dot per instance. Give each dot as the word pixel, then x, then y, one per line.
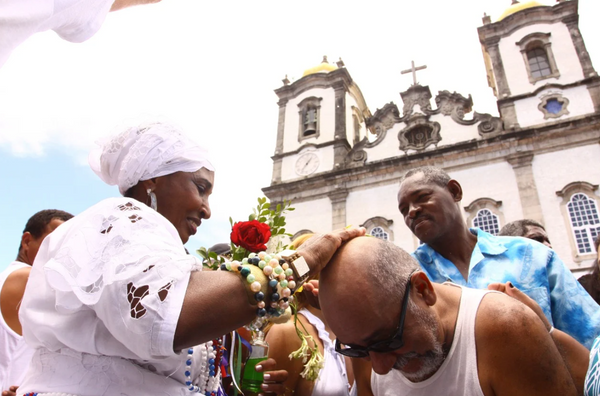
pixel 144 152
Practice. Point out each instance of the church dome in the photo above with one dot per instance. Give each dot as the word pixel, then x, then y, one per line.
pixel 516 7
pixel 323 67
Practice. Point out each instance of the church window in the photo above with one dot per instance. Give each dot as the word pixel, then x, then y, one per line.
pixel 380 227
pixel 579 207
pixel 536 49
pixel 583 213
pixel 485 214
pixel 309 111
pixel 553 106
pixel 538 63
pixel 487 221
pixel 379 232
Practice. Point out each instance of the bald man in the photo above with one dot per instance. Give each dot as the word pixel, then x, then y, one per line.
pixel 435 339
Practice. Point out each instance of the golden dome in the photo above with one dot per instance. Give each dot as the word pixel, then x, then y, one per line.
pixel 516 7
pixel 323 67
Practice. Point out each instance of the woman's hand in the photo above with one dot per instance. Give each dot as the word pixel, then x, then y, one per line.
pixel 273 379
pixel 12 391
pixel 318 250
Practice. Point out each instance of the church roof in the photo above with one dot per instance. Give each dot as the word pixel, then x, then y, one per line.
pixel 323 67
pixel 516 7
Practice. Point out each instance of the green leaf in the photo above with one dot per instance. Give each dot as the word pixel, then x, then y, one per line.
pixel 278 209
pixel 212 255
pixel 252 217
pixel 291 209
pixel 262 219
pixel 230 221
pixel 267 205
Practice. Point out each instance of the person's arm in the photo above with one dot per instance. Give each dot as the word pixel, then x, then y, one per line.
pixel 362 376
pixel 11 296
pixel 216 302
pixel 515 354
pixel 283 340
pixel 575 355
pixel 574 311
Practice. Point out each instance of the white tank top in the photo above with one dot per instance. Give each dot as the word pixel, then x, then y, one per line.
pixel 15 354
pixel 333 379
pixel 458 374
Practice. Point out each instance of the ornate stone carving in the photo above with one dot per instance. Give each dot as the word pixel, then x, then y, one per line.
pixel 455 105
pixel 489 125
pixel 420 134
pixel 416 95
pixel 381 121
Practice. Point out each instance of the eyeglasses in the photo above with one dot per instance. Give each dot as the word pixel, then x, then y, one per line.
pixel 389 345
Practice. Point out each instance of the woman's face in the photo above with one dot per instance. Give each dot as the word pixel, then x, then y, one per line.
pixel 182 198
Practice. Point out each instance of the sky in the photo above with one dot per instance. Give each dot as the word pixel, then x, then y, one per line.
pixel 211 68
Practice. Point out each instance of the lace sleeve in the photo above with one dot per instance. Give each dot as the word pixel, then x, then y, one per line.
pixel 126 263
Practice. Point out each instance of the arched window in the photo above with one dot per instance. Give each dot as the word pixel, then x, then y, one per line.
pixel 583 213
pixel 539 59
pixel 487 221
pixel 380 227
pixel 379 232
pixel 309 111
pixel 539 65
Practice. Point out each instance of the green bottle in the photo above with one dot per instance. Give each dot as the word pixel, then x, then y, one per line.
pixel 252 379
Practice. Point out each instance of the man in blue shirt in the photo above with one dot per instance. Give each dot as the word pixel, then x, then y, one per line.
pixel 429 202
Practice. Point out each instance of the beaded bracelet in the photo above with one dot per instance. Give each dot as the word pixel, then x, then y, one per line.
pixel 282 283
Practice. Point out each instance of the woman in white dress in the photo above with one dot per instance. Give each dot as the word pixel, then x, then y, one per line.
pixel 115 305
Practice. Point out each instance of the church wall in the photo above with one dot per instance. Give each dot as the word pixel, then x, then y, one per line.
pixel 288 167
pixel 350 101
pixel 552 172
pixel 452 132
pixel 364 204
pixel 496 181
pixel 310 215
pixel 580 103
pixel 326 119
pixel 388 147
pixel 565 56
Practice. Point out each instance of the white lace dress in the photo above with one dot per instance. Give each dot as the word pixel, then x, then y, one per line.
pixel 102 304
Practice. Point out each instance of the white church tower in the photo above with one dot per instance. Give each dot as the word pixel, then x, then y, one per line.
pixel 538 65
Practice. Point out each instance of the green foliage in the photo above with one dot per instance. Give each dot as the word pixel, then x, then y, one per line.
pixel 262 213
pixel 210 259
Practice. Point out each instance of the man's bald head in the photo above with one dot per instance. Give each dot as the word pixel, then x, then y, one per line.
pixel 366 274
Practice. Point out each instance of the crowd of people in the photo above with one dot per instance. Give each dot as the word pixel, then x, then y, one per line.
pixel 110 302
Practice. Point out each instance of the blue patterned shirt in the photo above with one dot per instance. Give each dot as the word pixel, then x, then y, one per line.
pixel 531 267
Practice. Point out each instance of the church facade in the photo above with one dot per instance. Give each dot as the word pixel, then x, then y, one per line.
pixel 341 164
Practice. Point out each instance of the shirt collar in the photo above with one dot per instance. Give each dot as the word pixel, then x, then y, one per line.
pixel 488 243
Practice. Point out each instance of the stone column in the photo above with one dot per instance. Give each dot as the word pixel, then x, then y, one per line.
pixel 572 22
pixel 341 146
pixel 530 201
pixel 279 144
pixel 338 207
pixel 491 45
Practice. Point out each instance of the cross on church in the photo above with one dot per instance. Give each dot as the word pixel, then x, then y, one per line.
pixel 413 70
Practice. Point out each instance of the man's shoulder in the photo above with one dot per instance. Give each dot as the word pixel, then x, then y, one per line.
pixel 501 317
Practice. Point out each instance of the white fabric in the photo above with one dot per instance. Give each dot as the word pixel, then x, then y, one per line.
pixel 144 152
pixel 458 374
pixel 14 352
pixel 333 379
pixel 73 20
pixel 91 337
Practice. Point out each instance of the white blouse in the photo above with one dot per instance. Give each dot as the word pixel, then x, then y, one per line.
pixel 102 304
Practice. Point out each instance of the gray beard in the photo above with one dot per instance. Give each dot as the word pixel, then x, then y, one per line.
pixel 431 360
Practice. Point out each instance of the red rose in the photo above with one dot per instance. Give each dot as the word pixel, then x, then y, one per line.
pixel 251 235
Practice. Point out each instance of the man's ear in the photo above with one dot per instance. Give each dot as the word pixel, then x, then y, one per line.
pixel 455 190
pixel 422 285
pixel 26 238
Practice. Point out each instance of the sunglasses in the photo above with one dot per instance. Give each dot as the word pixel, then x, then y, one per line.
pixel 391 344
